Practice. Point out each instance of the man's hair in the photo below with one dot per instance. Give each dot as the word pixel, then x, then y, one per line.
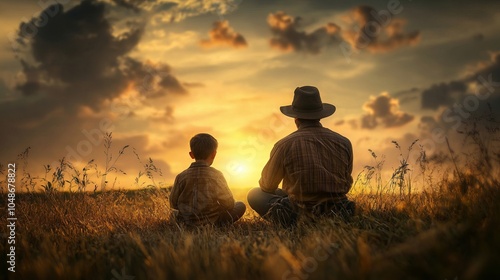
pixel 203 145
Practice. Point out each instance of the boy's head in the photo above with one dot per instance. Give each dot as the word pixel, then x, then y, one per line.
pixel 203 147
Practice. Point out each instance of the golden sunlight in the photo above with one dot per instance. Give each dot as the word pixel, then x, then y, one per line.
pixel 240 174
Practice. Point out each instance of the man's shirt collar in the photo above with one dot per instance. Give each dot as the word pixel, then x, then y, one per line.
pixel 310 124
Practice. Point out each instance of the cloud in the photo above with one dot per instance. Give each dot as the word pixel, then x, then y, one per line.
pixel 129 4
pixel 152 79
pixel 478 37
pixel 367 28
pixel 475 94
pixel 377 31
pixel 287 37
pixel 177 10
pixel 193 84
pixel 384 110
pixel 76 57
pixel 466 108
pixel 446 94
pixel 408 95
pixel 487 68
pixel 4 90
pixel 223 35
pixel 73 69
pixel 442 94
pixel 77 60
pixel 339 122
pixel 427 123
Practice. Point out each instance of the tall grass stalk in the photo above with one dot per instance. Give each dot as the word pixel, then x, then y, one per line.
pixel 109 163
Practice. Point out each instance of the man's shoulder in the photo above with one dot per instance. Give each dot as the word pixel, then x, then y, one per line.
pixel 338 135
pixel 315 132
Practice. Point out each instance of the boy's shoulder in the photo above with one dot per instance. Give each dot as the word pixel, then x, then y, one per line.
pixel 200 170
pixel 213 169
pixel 213 172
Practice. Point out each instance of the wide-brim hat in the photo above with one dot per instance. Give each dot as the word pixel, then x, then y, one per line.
pixel 307 105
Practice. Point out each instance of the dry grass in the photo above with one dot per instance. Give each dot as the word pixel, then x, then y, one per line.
pixel 448 231
pixel 96 235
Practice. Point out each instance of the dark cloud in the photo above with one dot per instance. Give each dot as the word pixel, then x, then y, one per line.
pixel 467 110
pixel 446 94
pixel 73 67
pixel 406 96
pixel 152 80
pixel 145 6
pixel 372 30
pixel 442 94
pixel 77 58
pixel 79 61
pixel 427 122
pixel 378 31
pixel 384 110
pixel 4 90
pixel 133 5
pixel 223 35
pixel 287 37
pixel 478 37
pixel 487 70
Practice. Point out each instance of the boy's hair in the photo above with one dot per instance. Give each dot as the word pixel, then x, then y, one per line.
pixel 203 145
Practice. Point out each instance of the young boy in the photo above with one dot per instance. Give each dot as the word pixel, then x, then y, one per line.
pixel 200 193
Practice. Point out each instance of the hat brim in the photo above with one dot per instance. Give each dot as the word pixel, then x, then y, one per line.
pixel 328 110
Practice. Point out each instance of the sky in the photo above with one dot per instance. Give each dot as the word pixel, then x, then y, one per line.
pixel 155 73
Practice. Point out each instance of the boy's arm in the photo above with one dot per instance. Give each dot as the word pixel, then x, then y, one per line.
pixel 174 194
pixel 224 195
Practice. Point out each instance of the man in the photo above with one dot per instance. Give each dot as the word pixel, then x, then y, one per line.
pixel 314 163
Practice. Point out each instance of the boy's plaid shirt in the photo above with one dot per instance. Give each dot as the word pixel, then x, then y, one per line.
pixel 312 162
pixel 200 193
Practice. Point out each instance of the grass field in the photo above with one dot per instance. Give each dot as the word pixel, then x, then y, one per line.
pixel 447 230
pixel 127 235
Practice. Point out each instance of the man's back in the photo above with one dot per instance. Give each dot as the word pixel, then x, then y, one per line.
pixel 312 161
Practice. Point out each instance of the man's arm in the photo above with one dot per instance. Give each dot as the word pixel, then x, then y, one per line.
pixel 273 171
pixel 174 194
pixel 351 159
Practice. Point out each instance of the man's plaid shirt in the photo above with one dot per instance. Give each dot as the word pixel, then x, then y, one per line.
pixel 314 163
pixel 201 194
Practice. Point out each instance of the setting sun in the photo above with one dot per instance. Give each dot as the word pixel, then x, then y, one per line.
pixel 240 169
pixel 239 174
